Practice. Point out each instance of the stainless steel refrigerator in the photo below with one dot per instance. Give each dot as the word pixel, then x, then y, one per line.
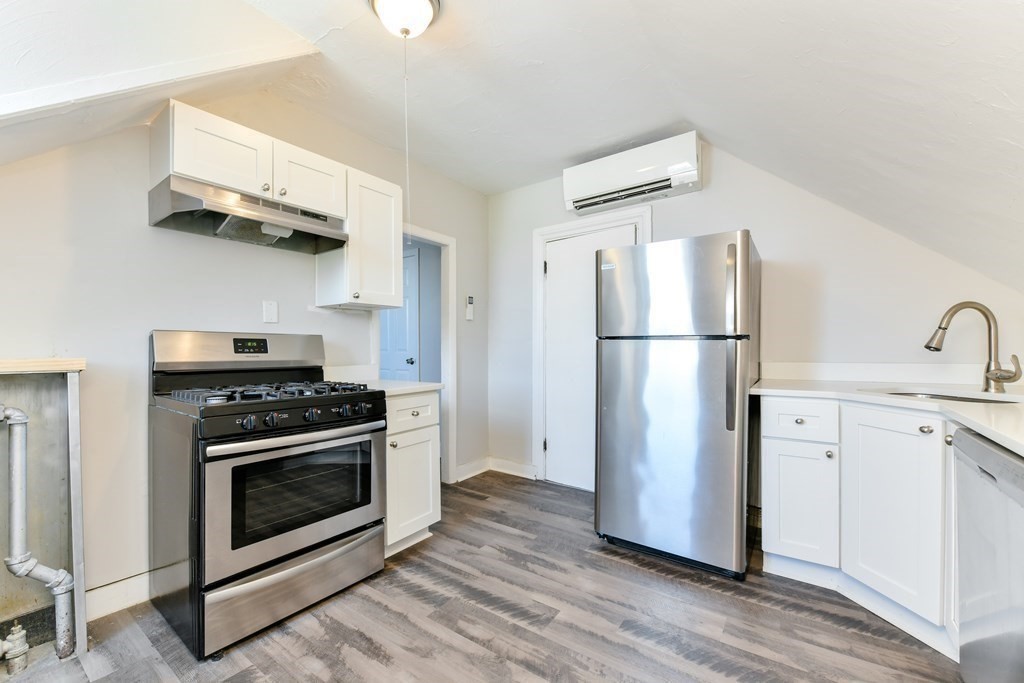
pixel 677 351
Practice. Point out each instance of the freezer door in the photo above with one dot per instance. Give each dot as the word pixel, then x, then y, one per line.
pixel 688 287
pixel 671 460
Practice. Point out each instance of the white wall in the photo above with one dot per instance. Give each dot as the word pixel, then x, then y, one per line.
pixel 84 275
pixel 837 289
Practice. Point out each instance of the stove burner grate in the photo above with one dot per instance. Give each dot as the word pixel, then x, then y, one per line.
pixel 264 392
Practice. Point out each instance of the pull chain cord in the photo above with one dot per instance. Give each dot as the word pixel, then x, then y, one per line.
pixel 405 81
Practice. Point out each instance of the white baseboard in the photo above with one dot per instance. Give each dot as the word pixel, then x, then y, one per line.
pixel 114 597
pixel 471 469
pixel 519 469
pixel 931 373
pixel 928 633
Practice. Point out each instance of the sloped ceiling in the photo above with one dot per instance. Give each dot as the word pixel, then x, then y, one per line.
pixel 908 113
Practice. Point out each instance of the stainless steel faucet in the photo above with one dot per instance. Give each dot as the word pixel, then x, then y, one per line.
pixel 995 375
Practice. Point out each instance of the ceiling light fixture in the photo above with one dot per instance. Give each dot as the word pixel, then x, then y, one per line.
pixel 406 18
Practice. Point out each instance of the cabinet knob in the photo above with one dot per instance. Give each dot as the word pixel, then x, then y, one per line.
pixel 355 295
pixel 266 187
pixel 926 429
pixel 393 444
pixel 283 192
pixel 799 420
pixel 829 454
pixel 415 413
pixel 949 439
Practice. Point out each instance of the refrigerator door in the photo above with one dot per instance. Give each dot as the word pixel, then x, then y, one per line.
pixel 671 460
pixel 698 286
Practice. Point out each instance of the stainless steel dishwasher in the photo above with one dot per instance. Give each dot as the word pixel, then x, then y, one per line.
pixel 990 529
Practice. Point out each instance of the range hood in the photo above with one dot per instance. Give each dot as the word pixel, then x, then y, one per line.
pixel 192 206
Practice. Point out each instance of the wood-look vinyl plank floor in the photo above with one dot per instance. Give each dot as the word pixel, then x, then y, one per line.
pixel 515 586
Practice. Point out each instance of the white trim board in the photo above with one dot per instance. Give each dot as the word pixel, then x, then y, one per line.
pixel 114 597
pixel 541 236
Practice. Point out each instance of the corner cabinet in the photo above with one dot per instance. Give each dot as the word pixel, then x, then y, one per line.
pixel 892 512
pixel 413 469
pixel 191 142
pixel 367 272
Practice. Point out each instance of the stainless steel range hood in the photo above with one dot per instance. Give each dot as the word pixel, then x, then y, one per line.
pixel 188 205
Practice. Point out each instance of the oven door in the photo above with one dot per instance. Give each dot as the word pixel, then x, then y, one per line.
pixel 266 498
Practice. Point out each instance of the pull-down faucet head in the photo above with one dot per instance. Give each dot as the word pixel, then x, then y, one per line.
pixel 935 343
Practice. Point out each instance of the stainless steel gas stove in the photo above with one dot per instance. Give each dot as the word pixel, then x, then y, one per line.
pixel 266 482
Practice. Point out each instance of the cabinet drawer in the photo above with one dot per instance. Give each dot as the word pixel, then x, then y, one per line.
pixel 412 412
pixel 807 419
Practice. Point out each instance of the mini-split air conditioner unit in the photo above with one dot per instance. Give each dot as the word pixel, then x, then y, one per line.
pixel 660 169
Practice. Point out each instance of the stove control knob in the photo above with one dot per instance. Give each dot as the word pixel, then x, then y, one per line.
pixel 345 410
pixel 271 419
pixel 249 423
pixel 365 408
pixel 311 415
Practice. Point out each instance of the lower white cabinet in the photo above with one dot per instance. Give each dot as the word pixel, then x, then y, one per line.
pixel 892 505
pixel 413 469
pixel 800 500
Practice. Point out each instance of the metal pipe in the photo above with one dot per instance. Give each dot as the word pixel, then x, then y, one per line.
pixel 20 561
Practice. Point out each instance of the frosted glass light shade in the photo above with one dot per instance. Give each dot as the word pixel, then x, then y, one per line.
pixel 406 17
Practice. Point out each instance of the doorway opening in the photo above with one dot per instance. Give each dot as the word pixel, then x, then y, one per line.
pixel 417 342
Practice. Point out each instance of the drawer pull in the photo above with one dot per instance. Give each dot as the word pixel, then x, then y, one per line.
pixel 829 454
pixel 949 439
pixel 926 429
pixel 799 420
pixel 393 444
pixel 415 413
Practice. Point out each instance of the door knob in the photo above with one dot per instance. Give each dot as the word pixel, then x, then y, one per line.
pixel 266 187
pixel 355 295
pixel 829 454
pixel 410 361
pixel 799 420
pixel 283 192
pixel 949 439
pixel 393 444
pixel 926 429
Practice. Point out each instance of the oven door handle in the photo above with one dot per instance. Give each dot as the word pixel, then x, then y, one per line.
pixel 263 582
pixel 278 442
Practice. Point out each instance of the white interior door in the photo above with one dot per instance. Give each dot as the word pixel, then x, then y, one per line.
pixel 400 327
pixel 569 352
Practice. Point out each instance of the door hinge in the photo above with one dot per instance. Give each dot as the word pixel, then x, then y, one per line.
pixel 545 267
pixel 545 445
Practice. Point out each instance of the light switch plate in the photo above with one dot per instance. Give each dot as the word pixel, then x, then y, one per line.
pixel 270 311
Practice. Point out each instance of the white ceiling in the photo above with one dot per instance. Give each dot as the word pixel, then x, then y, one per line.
pixel 908 113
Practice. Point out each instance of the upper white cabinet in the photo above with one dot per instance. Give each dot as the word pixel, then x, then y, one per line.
pixel 892 505
pixel 367 273
pixel 190 142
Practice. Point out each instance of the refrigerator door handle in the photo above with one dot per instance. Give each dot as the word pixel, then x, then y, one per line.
pixel 730 290
pixel 730 385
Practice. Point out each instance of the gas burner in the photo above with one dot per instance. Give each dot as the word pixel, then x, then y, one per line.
pixel 264 392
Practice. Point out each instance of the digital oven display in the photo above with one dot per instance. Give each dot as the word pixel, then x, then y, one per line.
pixel 244 345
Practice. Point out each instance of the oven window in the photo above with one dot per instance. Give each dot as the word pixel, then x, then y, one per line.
pixel 277 496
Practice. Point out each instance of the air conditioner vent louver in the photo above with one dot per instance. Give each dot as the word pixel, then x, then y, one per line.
pixel 660 169
pixel 620 195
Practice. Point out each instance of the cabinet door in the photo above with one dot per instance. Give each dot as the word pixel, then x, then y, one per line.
pixel 309 181
pixel 413 482
pixel 221 152
pixel 892 505
pixel 800 500
pixel 375 240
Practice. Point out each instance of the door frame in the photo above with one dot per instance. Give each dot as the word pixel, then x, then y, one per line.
pixel 449 343
pixel 642 216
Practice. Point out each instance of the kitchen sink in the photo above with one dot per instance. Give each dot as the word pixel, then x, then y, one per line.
pixel 950 397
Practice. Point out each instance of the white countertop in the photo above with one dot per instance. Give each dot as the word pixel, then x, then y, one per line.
pixel 22 366
pixel 1001 422
pixel 394 387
